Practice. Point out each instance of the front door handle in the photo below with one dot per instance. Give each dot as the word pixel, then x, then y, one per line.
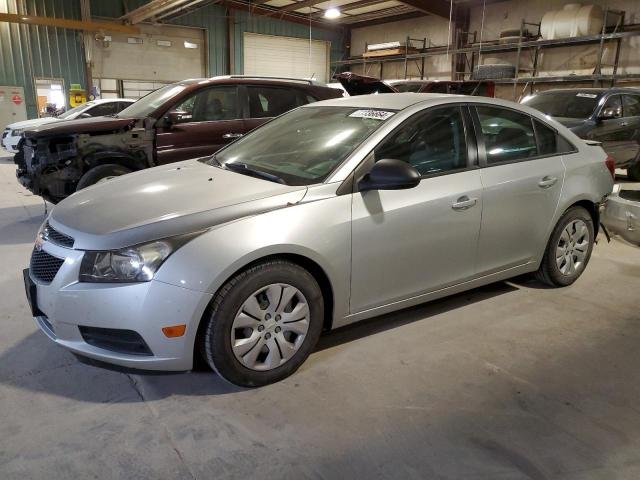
pixel 232 135
pixel 464 203
pixel 623 124
pixel 547 182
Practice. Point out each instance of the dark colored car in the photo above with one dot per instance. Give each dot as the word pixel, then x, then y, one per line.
pixel 479 88
pixel 610 116
pixel 183 120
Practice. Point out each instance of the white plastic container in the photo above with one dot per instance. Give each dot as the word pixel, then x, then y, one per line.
pixel 574 20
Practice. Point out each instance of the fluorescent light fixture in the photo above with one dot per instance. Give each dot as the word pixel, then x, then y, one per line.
pixel 188 44
pixel 332 13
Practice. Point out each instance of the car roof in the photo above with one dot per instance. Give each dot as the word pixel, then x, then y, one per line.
pixel 390 101
pixel 107 100
pixel 597 91
pixel 251 79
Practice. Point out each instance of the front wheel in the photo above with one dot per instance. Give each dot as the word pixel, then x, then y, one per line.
pixel 263 324
pixel 100 174
pixel 569 249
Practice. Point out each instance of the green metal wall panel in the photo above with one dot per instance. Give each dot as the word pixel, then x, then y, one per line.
pixel 28 51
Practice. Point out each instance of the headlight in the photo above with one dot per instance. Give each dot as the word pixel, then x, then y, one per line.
pixel 133 264
pixel 17 132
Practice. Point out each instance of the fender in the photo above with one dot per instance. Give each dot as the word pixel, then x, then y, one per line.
pixel 101 157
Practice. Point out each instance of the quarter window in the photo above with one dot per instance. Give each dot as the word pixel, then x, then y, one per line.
pixel 549 141
pixel 508 135
pixel 432 142
pixel 631 105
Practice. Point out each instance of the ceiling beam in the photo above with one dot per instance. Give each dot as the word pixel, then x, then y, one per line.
pixel 67 23
pixel 289 17
pixel 151 10
pixel 354 23
pixel 351 6
pixel 439 8
pixel 299 5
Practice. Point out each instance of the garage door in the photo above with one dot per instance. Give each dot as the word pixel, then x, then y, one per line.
pixel 156 54
pixel 285 57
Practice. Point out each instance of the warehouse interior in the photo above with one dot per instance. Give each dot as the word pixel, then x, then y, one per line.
pixel 508 380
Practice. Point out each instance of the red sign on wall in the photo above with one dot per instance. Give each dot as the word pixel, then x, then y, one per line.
pixel 17 99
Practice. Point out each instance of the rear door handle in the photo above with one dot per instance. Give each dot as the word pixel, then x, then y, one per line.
pixel 547 182
pixel 232 135
pixel 464 203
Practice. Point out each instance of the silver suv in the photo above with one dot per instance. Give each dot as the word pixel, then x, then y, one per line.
pixel 334 212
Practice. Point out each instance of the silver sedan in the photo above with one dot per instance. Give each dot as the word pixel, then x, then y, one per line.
pixel 332 213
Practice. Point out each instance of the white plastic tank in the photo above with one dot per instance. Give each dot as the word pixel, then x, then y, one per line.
pixel 574 20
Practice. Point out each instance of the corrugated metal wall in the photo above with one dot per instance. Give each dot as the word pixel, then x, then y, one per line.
pixel 28 51
pixel 245 22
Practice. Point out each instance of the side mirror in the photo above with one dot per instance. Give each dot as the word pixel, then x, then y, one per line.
pixel 609 113
pixel 176 117
pixel 84 115
pixel 390 174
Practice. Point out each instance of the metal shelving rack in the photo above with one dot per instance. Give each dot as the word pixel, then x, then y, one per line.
pixel 534 47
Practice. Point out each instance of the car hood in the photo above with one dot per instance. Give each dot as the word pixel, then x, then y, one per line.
pixel 164 201
pixel 35 122
pixel 81 125
pixel 355 84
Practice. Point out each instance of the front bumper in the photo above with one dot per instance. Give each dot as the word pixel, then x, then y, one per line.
pixel 64 305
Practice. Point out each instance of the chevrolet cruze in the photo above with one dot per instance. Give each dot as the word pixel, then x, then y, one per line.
pixel 334 212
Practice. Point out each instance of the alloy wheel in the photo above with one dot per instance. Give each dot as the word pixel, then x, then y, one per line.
pixel 572 248
pixel 270 327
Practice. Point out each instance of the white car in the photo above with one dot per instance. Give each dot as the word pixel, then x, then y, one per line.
pixel 95 108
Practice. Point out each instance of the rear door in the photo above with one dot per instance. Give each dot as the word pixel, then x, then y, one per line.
pixel 211 118
pixel 522 181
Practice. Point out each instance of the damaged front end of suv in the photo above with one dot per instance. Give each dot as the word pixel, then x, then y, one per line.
pixel 53 159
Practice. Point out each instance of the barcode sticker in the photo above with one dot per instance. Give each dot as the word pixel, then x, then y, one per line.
pixel 375 114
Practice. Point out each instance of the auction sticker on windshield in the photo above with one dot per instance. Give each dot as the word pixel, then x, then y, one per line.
pixel 586 95
pixel 375 114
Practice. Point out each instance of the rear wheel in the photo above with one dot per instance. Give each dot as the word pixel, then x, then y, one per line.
pixel 101 173
pixel 569 249
pixel 263 324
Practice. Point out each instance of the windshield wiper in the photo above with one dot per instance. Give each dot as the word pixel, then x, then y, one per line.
pixel 244 169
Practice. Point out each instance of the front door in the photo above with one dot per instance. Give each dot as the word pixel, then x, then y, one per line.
pixel 210 119
pixel 408 242
pixel 522 182
pixel 613 132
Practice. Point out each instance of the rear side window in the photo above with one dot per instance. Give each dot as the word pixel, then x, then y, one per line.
pixel 272 101
pixel 549 141
pixel 508 135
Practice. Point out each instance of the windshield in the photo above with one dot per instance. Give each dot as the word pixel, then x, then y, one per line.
pixel 74 112
pixel 564 104
pixel 303 146
pixel 151 101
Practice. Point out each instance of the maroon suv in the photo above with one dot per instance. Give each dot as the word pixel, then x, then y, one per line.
pixel 179 121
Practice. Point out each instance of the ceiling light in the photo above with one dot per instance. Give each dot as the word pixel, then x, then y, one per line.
pixel 331 13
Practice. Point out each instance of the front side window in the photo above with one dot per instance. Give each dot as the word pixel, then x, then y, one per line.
pixel 614 102
pixel 407 87
pixel 267 102
pixel 303 146
pixel 152 101
pixel 433 142
pixel 508 135
pixel 210 105
pixel 631 105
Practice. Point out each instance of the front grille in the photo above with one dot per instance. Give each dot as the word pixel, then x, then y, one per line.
pixel 44 267
pixel 115 340
pixel 54 236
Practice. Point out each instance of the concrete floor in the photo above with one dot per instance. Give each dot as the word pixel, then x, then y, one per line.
pixel 511 381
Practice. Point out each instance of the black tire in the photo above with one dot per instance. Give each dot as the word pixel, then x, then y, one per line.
pixel 214 336
pixel 549 273
pixel 633 172
pixel 494 71
pixel 101 172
